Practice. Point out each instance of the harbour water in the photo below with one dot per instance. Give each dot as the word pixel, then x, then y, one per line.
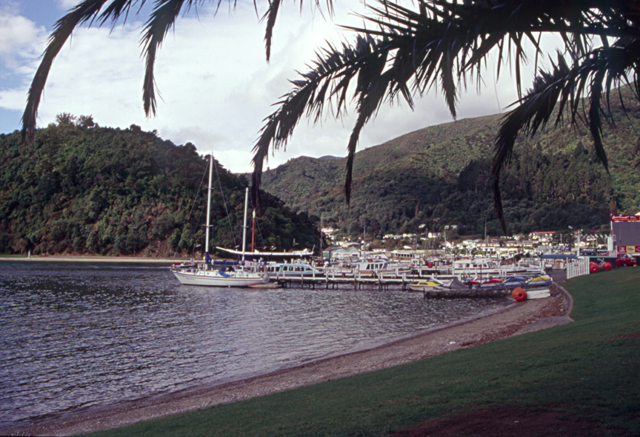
pixel 75 335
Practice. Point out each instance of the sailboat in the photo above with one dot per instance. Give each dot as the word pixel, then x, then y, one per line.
pixel 208 273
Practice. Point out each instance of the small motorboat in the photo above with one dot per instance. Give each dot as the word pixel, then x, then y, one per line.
pixel 514 281
pixel 485 282
pixel 539 281
pixel 426 285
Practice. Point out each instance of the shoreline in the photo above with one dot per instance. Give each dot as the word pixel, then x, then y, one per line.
pixel 94 258
pixel 516 319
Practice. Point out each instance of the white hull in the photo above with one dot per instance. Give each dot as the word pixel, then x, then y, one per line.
pixel 213 278
pixel 491 272
pixel 538 294
pixel 420 288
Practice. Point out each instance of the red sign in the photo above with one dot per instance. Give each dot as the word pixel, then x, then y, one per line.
pixel 628 249
pixel 624 218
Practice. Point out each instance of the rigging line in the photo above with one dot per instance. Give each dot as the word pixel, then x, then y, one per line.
pixel 196 228
pixel 224 201
pixel 260 232
pixel 194 204
pixel 196 195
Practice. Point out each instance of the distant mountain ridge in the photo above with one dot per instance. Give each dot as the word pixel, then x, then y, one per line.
pixel 441 174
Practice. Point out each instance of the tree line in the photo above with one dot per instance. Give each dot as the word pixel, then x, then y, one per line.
pixel 80 188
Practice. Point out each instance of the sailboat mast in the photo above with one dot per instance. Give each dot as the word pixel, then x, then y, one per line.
pixel 253 232
pixel 206 241
pixel 244 227
pixel 321 227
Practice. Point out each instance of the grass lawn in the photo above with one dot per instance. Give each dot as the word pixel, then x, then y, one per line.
pixel 590 368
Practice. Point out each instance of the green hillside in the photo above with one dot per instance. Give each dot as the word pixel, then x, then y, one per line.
pixel 84 189
pixel 442 175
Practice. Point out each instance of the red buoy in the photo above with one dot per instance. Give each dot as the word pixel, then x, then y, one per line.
pixel 594 268
pixel 606 266
pixel 519 294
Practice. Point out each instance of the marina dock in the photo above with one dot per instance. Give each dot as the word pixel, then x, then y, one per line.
pixel 355 282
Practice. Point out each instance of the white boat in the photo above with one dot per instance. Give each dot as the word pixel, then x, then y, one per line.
pixel 305 253
pixel 207 273
pixel 211 277
pixel 380 267
pixel 538 294
pixel 486 267
pixel 292 270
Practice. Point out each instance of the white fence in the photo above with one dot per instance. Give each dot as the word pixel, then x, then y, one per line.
pixel 577 267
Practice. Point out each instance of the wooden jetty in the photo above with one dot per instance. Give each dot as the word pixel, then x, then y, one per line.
pixel 385 282
pixel 355 281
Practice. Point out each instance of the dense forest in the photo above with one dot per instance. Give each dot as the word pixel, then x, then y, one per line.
pixel 441 175
pixel 84 189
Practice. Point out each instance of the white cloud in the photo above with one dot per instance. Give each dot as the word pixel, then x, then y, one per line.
pixel 215 85
pixel 19 37
pixel 66 4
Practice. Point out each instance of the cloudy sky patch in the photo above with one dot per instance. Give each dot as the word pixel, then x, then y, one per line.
pixel 214 83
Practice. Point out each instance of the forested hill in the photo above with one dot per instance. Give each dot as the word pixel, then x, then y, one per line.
pixel 84 189
pixel 442 175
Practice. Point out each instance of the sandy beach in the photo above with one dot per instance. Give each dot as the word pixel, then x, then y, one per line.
pixel 516 319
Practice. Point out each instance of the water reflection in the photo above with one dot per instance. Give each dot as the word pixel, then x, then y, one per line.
pixel 75 335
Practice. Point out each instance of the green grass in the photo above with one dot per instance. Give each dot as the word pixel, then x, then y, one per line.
pixel 578 366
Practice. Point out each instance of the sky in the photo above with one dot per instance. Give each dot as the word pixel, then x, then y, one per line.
pixel 215 84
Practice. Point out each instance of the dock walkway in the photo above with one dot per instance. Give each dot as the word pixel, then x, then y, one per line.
pixel 356 281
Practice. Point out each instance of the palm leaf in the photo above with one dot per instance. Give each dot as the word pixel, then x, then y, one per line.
pixel 63 28
pixel 443 41
pixel 161 20
pixel 330 78
pixel 270 17
pixel 566 86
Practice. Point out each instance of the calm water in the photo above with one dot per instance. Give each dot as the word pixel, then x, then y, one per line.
pixel 75 335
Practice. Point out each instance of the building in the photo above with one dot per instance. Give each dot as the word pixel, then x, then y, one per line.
pixel 625 233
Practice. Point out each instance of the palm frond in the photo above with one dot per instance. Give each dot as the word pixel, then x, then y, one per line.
pixel 270 18
pixel 442 42
pixel 435 45
pixel 566 86
pixel 162 19
pixel 101 12
pixel 83 12
pixel 332 74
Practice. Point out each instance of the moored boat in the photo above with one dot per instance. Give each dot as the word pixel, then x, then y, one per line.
pixel 427 285
pixel 207 273
pixel 209 276
pixel 292 270
pixel 539 281
pixel 486 267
